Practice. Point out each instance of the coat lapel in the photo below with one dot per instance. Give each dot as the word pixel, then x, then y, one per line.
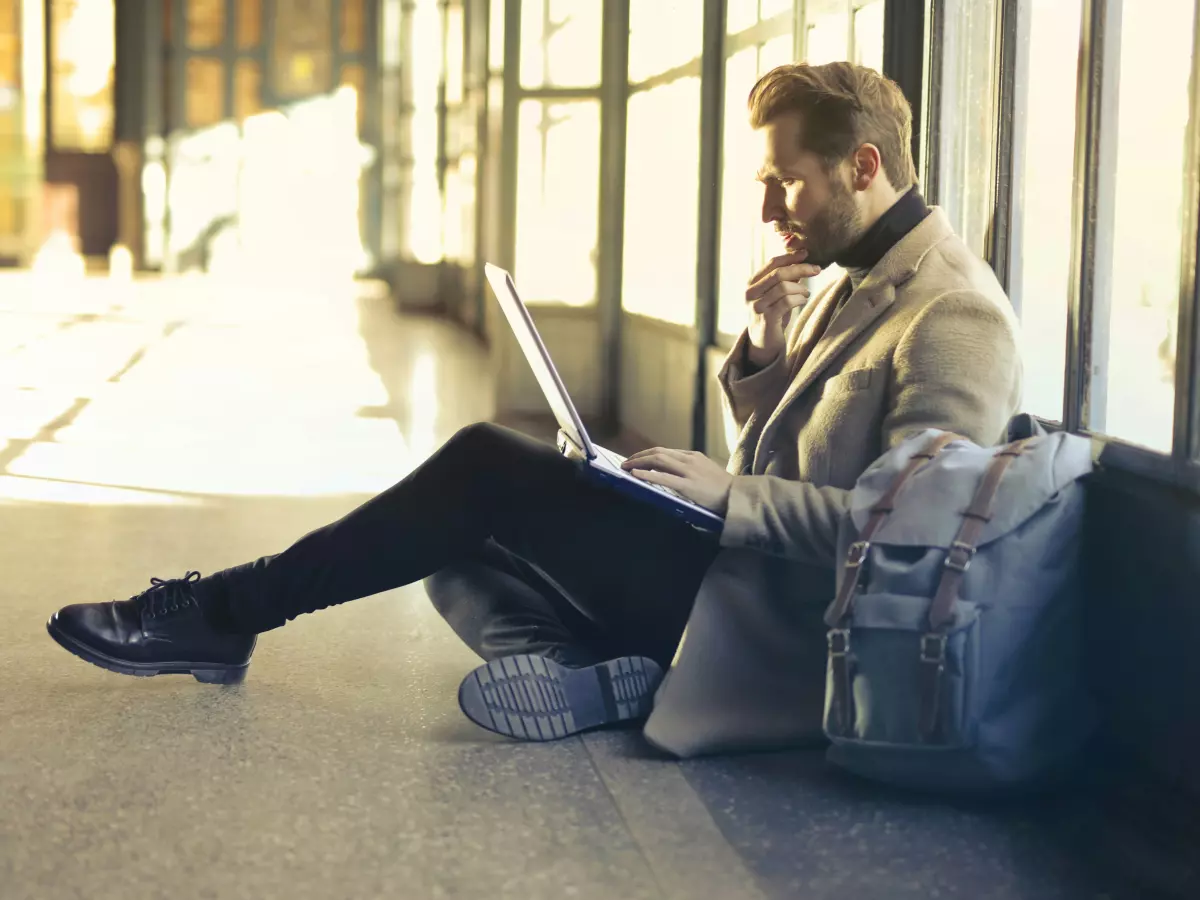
pixel 861 311
pixel 819 341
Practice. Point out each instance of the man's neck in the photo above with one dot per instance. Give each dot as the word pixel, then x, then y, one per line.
pixel 902 217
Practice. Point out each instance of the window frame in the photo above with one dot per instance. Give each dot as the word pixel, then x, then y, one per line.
pixel 1089 291
pixel 752 36
pixel 692 68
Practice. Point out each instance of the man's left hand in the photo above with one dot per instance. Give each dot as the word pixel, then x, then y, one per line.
pixel 692 474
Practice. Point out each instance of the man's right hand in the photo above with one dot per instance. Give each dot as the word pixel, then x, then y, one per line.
pixel 773 293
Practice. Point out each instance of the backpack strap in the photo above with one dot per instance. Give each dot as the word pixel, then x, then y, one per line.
pixel 958 560
pixel 840 608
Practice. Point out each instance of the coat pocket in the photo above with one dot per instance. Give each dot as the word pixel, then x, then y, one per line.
pixel 848 382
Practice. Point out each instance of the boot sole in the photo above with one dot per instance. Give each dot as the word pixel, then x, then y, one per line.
pixel 207 673
pixel 536 699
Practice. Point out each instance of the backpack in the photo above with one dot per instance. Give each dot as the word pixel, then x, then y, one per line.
pixel 955 636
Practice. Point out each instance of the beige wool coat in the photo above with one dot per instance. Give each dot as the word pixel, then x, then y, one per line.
pixel 928 340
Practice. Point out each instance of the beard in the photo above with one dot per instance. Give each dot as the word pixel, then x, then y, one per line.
pixel 833 230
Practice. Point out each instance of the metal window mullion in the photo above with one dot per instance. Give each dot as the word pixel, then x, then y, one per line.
pixel 848 9
pixel 228 51
pixel 1096 126
pixel 614 87
pixel 1016 106
pixel 1010 19
pixel 558 94
pixel 510 122
pixel 1186 444
pixel 708 240
pixel 933 102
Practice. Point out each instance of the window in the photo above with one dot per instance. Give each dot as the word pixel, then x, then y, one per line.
pixel 868 35
pixel 663 35
pixel 560 43
pixel 558 194
pixel 662 160
pixel 1134 397
pixel 965 158
pixel 423 234
pixel 82 60
pixel 826 31
pixel 496 35
pixel 746 243
pixel 1044 164
pixel 662 168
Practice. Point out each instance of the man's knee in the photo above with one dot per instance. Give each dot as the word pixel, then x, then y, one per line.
pixel 489 444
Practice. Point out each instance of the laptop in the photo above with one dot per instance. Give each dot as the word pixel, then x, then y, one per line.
pixel 603 464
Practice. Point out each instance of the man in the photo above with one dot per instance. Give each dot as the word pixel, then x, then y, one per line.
pixel 578 622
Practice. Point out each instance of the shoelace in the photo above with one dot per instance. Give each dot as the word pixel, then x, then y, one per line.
pixel 169 595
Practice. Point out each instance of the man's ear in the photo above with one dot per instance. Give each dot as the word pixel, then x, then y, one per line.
pixel 867 164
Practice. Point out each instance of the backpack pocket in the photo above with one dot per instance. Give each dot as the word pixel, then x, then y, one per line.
pixel 898 681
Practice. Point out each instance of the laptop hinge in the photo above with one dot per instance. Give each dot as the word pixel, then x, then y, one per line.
pixel 564 441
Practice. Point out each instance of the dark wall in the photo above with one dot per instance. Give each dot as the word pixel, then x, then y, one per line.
pixel 1144 580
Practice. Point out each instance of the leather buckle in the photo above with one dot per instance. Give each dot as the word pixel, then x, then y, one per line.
pixel 839 641
pixel 960 556
pixel 857 554
pixel 933 649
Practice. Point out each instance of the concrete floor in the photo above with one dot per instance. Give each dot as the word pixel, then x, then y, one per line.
pixel 146 430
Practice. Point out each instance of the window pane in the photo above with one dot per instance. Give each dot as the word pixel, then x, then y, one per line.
pixel 454 54
pixel 205 23
pixel 868 35
pixel 496 36
pixel 558 188
pixel 740 15
pixel 663 35
pixel 828 38
pixel 352 20
pixel 560 43
pixel 778 51
pixel 83 54
pixel 966 188
pixel 247 89
pixel 249 24
pixel 1042 201
pixel 662 168
pixel 204 98
pixel 741 196
pixel 1156 60
pixel 771 8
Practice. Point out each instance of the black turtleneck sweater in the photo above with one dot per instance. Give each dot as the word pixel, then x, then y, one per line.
pixel 904 215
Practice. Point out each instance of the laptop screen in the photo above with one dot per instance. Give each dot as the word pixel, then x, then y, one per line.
pixel 535 351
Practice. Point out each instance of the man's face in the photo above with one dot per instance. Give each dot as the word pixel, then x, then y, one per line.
pixel 812 209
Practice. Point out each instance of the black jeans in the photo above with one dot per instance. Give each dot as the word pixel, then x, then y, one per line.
pixel 521 553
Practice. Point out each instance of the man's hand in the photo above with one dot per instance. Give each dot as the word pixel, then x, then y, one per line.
pixel 692 474
pixel 773 293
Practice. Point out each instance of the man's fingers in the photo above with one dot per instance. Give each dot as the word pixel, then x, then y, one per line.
pixel 664 478
pixel 667 451
pixel 783 296
pixel 673 461
pixel 776 262
pixel 783 274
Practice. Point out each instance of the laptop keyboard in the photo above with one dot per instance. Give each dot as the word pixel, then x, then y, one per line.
pixel 616 459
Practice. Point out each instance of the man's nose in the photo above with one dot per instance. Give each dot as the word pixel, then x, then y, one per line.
pixel 772 207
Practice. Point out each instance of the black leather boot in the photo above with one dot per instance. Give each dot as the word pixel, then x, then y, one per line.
pixel 162 631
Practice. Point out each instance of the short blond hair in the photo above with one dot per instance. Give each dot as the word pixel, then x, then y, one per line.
pixel 843 106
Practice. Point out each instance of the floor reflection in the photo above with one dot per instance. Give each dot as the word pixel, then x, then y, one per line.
pixel 204 385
